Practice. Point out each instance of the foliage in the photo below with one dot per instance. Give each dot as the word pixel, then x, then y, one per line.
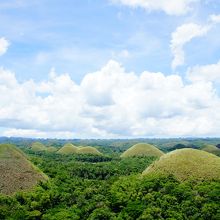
pixel 108 187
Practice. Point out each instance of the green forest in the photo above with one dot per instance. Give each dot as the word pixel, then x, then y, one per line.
pixel 107 186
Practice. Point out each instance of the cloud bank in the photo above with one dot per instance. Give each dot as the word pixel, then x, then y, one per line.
pixel 111 103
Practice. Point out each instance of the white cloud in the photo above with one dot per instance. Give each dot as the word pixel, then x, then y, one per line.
pixel 37 134
pixel 3 46
pixel 182 35
pixel 178 7
pixel 205 73
pixel 215 18
pixel 108 103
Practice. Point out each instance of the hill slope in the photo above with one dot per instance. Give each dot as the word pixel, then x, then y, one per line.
pixel 51 149
pixel 37 146
pixel 211 149
pixel 187 163
pixel 88 150
pixel 142 149
pixel 68 149
pixel 16 171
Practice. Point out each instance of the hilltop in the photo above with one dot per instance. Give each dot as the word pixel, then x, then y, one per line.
pixel 142 149
pixel 88 150
pixel 68 148
pixel 186 164
pixel 51 149
pixel 37 146
pixel 16 171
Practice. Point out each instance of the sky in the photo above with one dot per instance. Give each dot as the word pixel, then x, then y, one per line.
pixel 109 68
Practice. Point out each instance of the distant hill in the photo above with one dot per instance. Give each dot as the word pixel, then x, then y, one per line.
pixel 142 149
pixel 68 149
pixel 51 149
pixel 181 146
pixel 37 146
pixel 16 171
pixel 187 163
pixel 88 150
pixel 211 149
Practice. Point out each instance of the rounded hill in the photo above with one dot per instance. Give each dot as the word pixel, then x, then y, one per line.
pixel 51 149
pixel 37 146
pixel 68 149
pixel 211 149
pixel 187 164
pixel 88 150
pixel 16 171
pixel 143 150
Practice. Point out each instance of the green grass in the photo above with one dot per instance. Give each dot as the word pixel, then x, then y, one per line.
pixel 51 149
pixel 142 149
pixel 37 146
pixel 187 164
pixel 16 171
pixel 68 149
pixel 211 149
pixel 88 150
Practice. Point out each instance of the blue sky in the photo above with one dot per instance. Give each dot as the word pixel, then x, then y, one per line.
pixel 92 32
pixel 82 37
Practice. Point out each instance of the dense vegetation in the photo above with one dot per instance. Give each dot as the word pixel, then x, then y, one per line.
pixel 109 187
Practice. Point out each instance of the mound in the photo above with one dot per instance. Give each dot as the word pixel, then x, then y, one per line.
pixel 16 171
pixel 37 146
pixel 68 149
pixel 211 149
pixel 142 149
pixel 88 150
pixel 186 164
pixel 51 149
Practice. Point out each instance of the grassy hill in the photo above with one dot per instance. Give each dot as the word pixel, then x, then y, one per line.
pixel 68 149
pixel 142 149
pixel 89 150
pixel 211 149
pixel 37 146
pixel 186 164
pixel 16 171
pixel 51 149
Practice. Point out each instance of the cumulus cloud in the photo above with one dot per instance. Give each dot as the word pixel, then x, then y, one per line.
pixel 3 46
pixel 205 73
pixel 179 7
pixel 108 103
pixel 182 35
